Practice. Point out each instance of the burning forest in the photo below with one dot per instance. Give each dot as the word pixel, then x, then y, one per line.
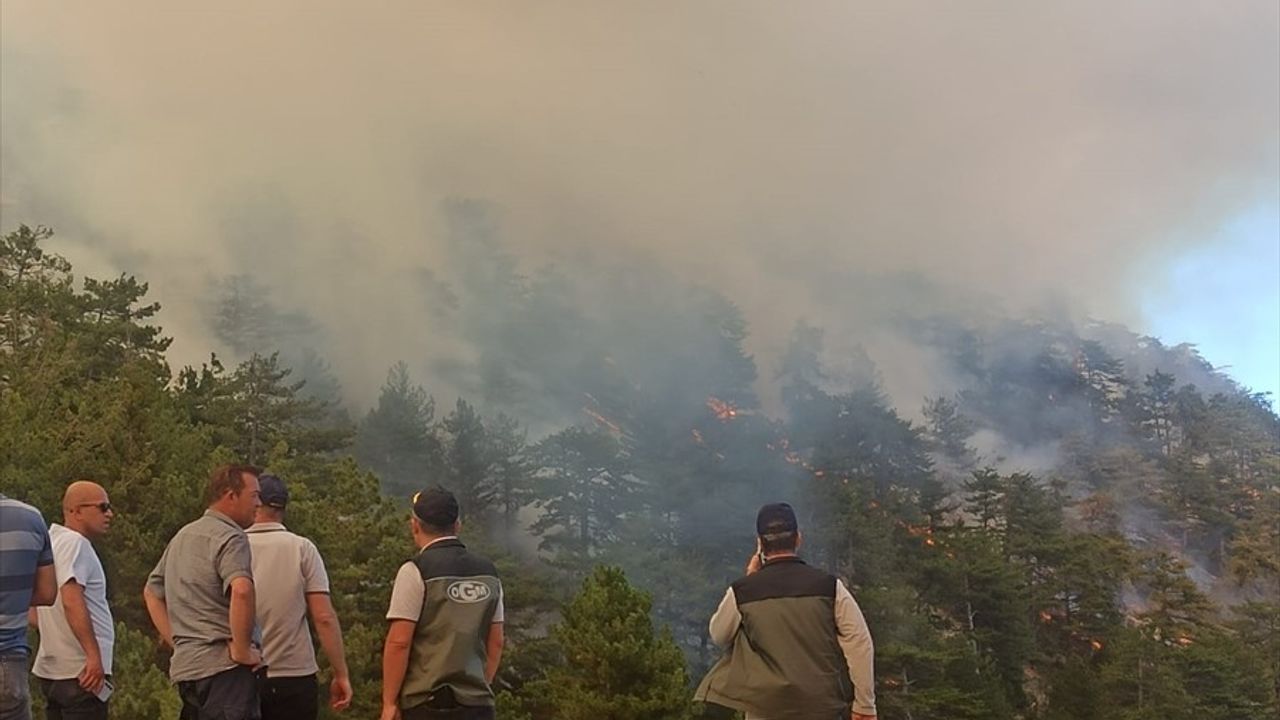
pixel 618 278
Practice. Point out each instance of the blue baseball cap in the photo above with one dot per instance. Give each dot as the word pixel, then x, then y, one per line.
pixel 272 491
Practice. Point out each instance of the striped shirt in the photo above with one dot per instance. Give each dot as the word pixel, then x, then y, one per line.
pixel 24 546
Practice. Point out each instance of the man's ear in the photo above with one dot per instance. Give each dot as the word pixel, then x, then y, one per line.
pixel 799 540
pixel 759 545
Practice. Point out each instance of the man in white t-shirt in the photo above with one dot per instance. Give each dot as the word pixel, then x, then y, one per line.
pixel 77 633
pixel 291 584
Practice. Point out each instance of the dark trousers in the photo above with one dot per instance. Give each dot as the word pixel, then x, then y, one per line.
pixel 460 712
pixel 66 700
pixel 229 695
pixel 444 706
pixel 290 698
pixel 15 693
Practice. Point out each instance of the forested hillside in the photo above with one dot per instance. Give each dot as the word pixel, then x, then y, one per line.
pixel 1088 527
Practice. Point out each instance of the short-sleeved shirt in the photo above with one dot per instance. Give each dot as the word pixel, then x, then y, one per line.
pixel 60 656
pixel 24 546
pixel 285 568
pixel 194 578
pixel 408 593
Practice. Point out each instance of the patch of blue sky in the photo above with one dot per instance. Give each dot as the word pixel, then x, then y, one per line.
pixel 1224 297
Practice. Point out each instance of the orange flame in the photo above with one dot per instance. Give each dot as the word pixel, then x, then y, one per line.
pixel 602 420
pixel 920 531
pixel 723 411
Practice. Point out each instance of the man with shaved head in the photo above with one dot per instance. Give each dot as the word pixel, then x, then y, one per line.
pixel 77 634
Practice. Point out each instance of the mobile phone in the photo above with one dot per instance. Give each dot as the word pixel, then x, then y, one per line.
pixel 104 693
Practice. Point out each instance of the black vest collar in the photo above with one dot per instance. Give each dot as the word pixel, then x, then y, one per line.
pixel 448 542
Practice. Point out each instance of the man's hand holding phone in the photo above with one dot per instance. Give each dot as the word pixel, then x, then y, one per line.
pixel 757 559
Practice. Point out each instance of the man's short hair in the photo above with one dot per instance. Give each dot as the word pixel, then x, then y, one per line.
pixel 436 509
pixel 778 542
pixel 228 478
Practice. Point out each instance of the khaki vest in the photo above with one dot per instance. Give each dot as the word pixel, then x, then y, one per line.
pixel 449 643
pixel 785 661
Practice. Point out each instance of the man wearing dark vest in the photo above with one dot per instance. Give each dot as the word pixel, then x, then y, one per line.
pixel 797 646
pixel 445 639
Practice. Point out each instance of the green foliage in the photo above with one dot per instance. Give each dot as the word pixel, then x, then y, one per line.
pixel 948 431
pixel 397 439
pixel 611 664
pixel 467 458
pixel 143 688
pixel 586 486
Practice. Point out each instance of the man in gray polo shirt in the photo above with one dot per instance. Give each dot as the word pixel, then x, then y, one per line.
pixel 291 583
pixel 200 597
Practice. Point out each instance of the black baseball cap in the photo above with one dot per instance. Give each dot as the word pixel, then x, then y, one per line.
pixel 272 491
pixel 436 507
pixel 776 518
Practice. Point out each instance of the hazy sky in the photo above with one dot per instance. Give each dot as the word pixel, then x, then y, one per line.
pixel 1098 156
pixel 1225 296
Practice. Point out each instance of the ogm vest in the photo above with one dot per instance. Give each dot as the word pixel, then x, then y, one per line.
pixel 449 650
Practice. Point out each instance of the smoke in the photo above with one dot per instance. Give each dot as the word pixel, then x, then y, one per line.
pixel 842 162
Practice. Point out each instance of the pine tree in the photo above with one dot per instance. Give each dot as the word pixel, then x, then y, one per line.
pixel 1176 610
pixel 984 498
pixel 585 488
pixel 612 664
pixel 268 410
pixel 1257 626
pixel 37 294
pixel 948 431
pixel 397 439
pixel 468 459
pixel 1157 410
pixel 245 318
pixel 256 411
pixel 511 471
pixel 1103 381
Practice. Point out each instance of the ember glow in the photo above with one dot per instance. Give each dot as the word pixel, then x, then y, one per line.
pixel 723 411
pixel 921 531
pixel 603 421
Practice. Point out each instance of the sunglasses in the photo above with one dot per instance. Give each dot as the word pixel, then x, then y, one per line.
pixel 103 507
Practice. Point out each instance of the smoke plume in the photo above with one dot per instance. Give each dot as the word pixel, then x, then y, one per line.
pixel 841 162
